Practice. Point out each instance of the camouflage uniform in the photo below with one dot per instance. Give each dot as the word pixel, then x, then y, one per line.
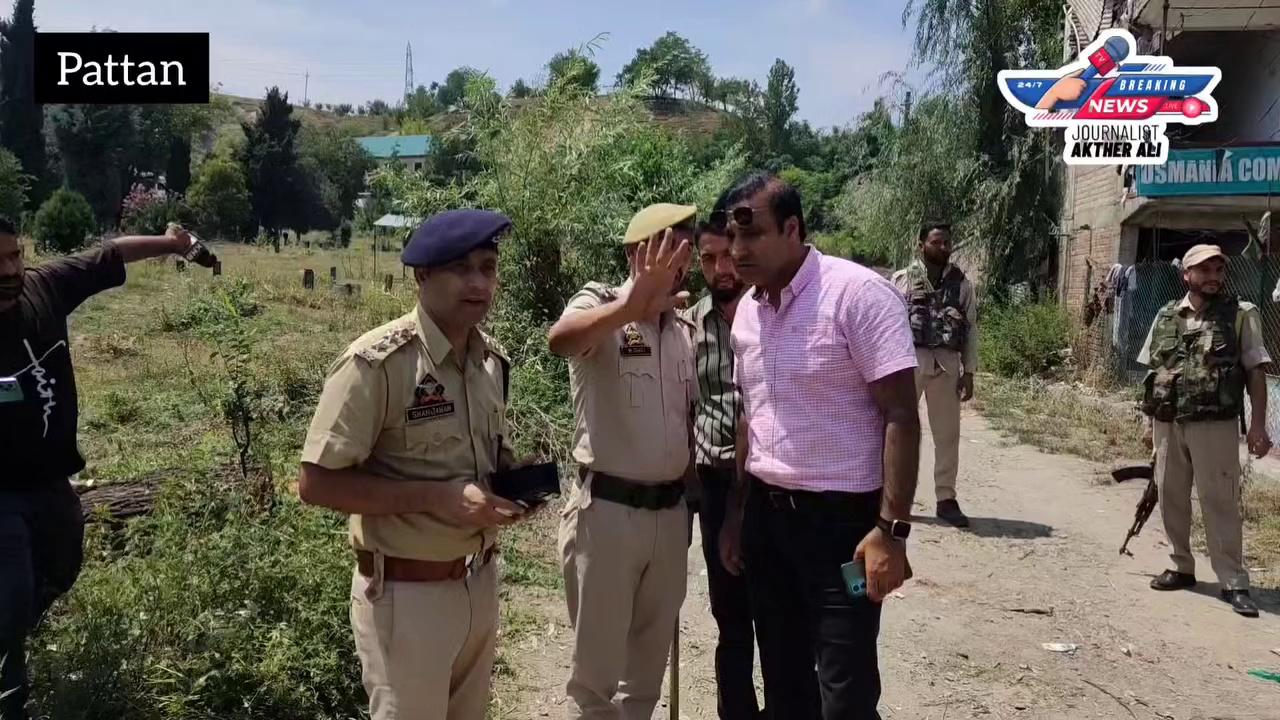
pixel 1194 395
pixel 944 326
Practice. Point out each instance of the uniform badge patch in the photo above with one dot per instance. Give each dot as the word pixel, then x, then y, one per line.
pixel 429 401
pixel 633 344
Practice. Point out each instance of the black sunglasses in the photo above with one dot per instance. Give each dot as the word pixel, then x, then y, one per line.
pixel 742 216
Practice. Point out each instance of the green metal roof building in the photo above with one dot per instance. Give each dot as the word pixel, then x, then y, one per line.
pixel 407 148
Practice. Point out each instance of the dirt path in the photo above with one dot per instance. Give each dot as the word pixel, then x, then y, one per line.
pixel 953 642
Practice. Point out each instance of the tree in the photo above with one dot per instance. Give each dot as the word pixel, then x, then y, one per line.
pixel 780 104
pixel 520 90
pixel 575 68
pixel 63 222
pixel 421 104
pixel 270 160
pixel 1011 222
pixel 21 119
pixel 344 165
pixel 672 64
pixel 455 86
pixel 378 107
pixel 98 149
pixel 220 198
pixel 13 186
pixel 342 109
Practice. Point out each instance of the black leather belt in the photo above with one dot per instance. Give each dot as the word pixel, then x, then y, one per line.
pixel 852 505
pixel 642 496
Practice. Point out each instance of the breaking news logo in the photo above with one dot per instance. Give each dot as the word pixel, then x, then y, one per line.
pixel 1115 105
pixel 117 68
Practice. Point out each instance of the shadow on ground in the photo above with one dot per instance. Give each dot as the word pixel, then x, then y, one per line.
pixel 1268 599
pixel 993 527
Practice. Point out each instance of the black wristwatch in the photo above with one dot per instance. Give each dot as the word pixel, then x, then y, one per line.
pixel 897 529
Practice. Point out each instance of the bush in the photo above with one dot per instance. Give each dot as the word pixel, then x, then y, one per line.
pixel 63 222
pixel 13 186
pixel 1023 340
pixel 187 616
pixel 219 197
pixel 149 212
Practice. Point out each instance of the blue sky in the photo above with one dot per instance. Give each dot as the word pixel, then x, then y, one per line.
pixel 355 50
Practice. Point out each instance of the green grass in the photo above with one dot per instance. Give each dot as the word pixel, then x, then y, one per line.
pixel 1061 419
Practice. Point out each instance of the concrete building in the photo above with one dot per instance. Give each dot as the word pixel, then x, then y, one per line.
pixel 1218 175
pixel 409 150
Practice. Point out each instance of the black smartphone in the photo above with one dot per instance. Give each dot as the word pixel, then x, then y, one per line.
pixel 529 486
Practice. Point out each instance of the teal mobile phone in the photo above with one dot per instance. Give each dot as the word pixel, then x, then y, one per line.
pixel 855 579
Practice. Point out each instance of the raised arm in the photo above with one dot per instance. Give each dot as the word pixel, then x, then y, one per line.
pixel 176 241
pixel 588 320
pixel 586 324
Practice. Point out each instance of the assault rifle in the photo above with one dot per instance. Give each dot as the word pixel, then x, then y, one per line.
pixel 1148 502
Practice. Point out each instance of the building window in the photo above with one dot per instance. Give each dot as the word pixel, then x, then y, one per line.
pixel 417 165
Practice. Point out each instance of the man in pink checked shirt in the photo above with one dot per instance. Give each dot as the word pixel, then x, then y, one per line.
pixel 828 446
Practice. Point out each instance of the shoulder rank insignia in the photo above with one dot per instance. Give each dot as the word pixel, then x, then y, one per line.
pixel 633 344
pixel 387 344
pixel 429 401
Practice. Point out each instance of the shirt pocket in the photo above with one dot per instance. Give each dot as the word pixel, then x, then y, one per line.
pixel 432 436
pixel 638 375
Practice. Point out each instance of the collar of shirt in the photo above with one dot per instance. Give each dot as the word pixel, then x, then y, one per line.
pixel 705 307
pixel 918 264
pixel 439 347
pixel 803 277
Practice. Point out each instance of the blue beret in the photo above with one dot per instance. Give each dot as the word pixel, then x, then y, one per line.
pixel 449 235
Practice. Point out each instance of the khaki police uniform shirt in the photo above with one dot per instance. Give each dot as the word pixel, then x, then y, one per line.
pixel 400 404
pixel 633 395
pixel 1252 350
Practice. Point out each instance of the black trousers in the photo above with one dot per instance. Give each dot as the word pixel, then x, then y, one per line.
pixel 41 548
pixel 794 544
pixel 730 604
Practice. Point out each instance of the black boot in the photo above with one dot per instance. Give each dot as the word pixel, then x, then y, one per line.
pixel 1173 580
pixel 949 510
pixel 1241 602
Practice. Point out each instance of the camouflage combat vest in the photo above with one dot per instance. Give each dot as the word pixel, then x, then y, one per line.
pixel 1196 375
pixel 937 319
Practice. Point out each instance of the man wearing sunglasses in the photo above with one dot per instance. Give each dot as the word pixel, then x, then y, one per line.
pixel 944 325
pixel 624 530
pixel 827 453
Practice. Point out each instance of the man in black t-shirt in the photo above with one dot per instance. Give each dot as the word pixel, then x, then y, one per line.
pixel 41 528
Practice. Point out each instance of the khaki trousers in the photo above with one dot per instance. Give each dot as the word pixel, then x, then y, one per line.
pixel 624 579
pixel 426 648
pixel 1206 453
pixel 937 377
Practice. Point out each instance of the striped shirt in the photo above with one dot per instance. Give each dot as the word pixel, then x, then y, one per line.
pixel 805 369
pixel 715 422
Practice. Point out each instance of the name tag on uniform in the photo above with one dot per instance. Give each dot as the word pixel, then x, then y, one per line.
pixel 633 344
pixel 429 401
pixel 10 390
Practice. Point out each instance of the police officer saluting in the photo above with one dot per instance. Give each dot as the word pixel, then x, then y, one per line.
pixel 407 431
pixel 41 526
pixel 624 532
pixel 1203 351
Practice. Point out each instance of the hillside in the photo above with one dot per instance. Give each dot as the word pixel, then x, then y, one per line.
pixel 680 116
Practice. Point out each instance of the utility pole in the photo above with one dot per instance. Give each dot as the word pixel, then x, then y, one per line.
pixel 408 71
pixel 306 86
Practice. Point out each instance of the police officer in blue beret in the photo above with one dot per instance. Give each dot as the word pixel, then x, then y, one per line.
pixel 408 429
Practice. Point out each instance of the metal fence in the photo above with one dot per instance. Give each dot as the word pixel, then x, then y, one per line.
pixel 1123 305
